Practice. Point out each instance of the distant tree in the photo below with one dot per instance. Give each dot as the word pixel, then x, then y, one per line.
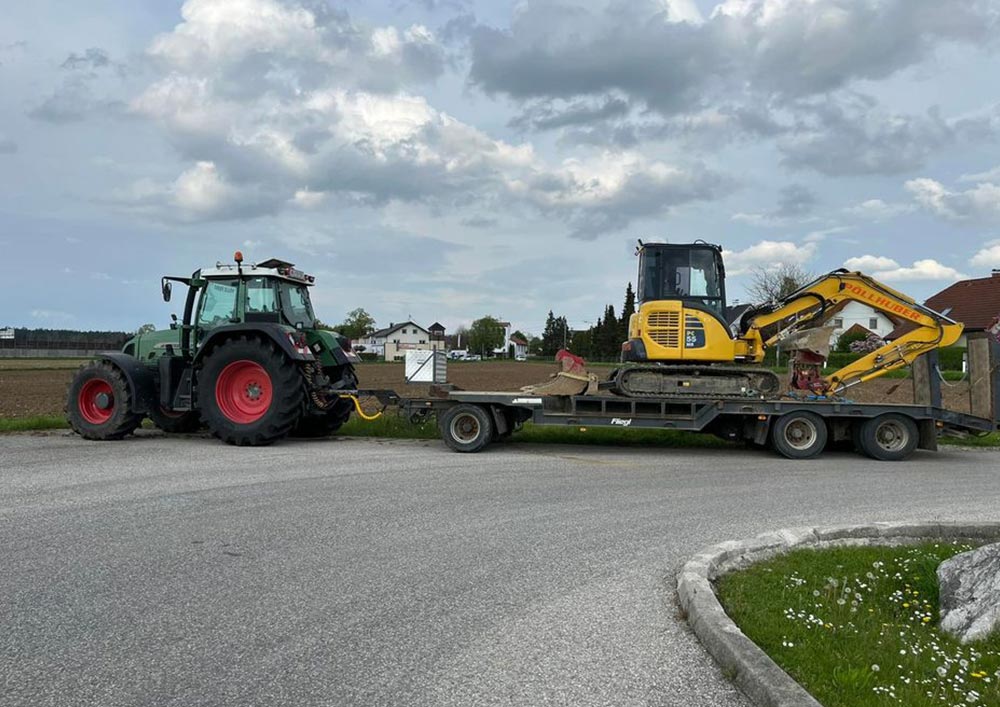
pixel 485 335
pixel 520 335
pixel 535 346
pixel 776 283
pixel 628 309
pixel 555 336
pixel 582 343
pixel 357 325
pixel 606 333
pixel 145 329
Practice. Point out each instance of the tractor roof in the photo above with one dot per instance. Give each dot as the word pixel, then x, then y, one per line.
pixel 272 267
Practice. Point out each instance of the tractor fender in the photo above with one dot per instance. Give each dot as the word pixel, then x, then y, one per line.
pixel 141 380
pixel 277 333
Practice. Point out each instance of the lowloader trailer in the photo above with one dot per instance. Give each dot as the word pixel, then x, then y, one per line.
pixel 471 421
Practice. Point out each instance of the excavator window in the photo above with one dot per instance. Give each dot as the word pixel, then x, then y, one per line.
pixel 690 274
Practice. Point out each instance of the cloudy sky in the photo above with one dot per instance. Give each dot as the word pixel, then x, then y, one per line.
pixel 447 159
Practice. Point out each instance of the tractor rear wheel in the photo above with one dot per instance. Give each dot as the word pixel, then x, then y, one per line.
pixel 250 394
pixel 175 422
pixel 99 404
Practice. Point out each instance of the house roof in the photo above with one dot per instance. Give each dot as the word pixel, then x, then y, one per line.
pixel 436 326
pixel 975 303
pixel 518 340
pixel 858 329
pixel 381 333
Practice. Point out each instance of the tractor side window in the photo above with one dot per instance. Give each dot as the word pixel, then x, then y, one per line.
pixel 261 296
pixel 218 303
pixel 296 306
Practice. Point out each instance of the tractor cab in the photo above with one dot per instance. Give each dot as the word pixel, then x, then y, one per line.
pixel 272 292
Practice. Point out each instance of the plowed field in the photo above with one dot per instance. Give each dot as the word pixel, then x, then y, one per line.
pixel 27 390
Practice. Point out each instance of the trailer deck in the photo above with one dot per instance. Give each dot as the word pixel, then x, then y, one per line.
pixel 800 429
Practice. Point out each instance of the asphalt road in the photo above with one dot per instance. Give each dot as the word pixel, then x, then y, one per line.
pixel 162 571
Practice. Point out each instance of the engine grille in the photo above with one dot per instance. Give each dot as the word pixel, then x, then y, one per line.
pixel 664 328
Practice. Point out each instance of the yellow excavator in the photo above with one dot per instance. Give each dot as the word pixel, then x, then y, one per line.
pixel 680 343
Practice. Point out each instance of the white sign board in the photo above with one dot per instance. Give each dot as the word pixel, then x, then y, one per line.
pixel 7 333
pixel 424 366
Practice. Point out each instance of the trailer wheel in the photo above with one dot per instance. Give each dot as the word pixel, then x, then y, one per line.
pixel 889 438
pixel 466 428
pixel 799 435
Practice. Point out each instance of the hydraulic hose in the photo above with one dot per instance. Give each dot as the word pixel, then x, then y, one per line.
pixel 357 406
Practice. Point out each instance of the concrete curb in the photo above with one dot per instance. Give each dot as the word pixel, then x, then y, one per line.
pixel 759 677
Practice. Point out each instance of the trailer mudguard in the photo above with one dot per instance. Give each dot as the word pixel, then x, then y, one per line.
pixel 278 333
pixel 140 378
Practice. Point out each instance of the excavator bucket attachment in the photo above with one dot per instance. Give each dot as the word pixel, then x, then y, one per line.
pixel 815 342
pixel 810 348
pixel 573 379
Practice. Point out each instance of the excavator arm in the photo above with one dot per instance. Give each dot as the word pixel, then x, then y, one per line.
pixel 815 303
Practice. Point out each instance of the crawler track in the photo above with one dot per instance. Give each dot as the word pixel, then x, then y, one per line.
pixel 645 380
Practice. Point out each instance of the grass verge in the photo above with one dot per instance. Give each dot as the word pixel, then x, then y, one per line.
pixel 857 627
pixel 36 422
pixel 989 440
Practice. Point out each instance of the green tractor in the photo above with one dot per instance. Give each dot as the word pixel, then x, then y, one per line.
pixel 248 361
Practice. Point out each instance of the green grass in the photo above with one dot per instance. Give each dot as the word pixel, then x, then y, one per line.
pixel 35 422
pixel 989 440
pixel 857 627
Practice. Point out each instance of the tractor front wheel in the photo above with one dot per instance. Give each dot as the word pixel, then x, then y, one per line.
pixel 250 394
pixel 99 404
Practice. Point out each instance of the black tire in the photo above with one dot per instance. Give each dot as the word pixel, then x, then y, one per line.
pixel 252 373
pixel 175 422
pixel 889 438
pixel 799 435
pixel 99 403
pixel 314 426
pixel 466 428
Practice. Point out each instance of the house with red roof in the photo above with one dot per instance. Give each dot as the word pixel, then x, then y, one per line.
pixel 975 303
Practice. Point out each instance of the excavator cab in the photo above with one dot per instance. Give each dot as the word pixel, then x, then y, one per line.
pixel 692 273
pixel 682 303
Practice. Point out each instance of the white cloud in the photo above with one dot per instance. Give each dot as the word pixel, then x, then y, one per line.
pixel 987 257
pixel 768 255
pixel 926 269
pixel 871 263
pixel 990 175
pixel 308 199
pixel 878 210
pixel 980 204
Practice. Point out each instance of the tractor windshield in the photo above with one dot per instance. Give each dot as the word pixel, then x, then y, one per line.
pixel 218 303
pixel 690 274
pixel 295 305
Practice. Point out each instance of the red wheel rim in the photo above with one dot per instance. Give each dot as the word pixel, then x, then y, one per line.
pixel 96 401
pixel 243 392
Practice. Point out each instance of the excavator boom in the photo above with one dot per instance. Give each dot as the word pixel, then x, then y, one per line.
pixel 816 303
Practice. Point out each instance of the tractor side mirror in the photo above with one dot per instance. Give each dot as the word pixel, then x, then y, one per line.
pixel 167 289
